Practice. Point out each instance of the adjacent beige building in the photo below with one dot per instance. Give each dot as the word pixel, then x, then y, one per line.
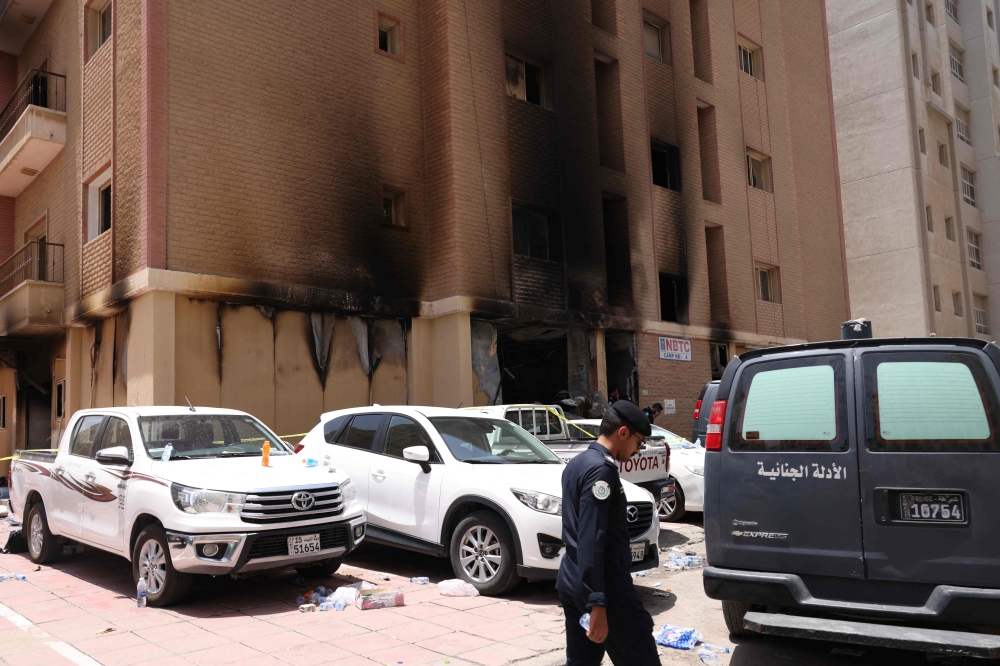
pixel 916 88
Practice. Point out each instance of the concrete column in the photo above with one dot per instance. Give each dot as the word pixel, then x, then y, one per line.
pixel 151 350
pixel 598 362
pixel 75 365
pixel 439 361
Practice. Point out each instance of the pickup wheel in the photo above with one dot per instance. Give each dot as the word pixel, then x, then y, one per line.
pixel 733 612
pixel 482 553
pixel 43 546
pixel 151 560
pixel 320 569
pixel 672 509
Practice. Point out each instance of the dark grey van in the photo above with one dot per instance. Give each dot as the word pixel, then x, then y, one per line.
pixel 856 480
pixel 702 408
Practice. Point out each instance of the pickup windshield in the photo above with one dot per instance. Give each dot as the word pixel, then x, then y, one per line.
pixel 207 436
pixel 491 441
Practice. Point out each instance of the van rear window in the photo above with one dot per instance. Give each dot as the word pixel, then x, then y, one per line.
pixel 791 405
pixel 928 401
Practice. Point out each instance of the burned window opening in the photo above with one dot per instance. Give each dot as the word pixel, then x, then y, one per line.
pixel 617 252
pixel 537 233
pixel 666 165
pixel 673 298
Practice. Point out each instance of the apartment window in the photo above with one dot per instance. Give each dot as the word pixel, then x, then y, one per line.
pixel 394 213
pixel 99 25
pixel 981 312
pixel 923 142
pixel 951 9
pixel 701 41
pixel 720 358
pixel 750 59
pixel 617 251
pixel 996 77
pixel 537 233
pixel 673 298
pixel 768 286
pixel 949 228
pixel 528 82
pixel 60 400
pixel 936 83
pixel 989 17
pixel 929 13
pixel 915 65
pixel 99 200
pixel 610 130
pixel 937 299
pixel 975 258
pixel 389 35
pixel 942 154
pixel 3 412
pixel 968 187
pixel 930 219
pixel 957 59
pixel 956 303
pixel 962 122
pixel 666 165
pixel 656 38
pixel 758 171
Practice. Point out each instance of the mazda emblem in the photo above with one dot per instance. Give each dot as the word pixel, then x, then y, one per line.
pixel 303 501
pixel 631 514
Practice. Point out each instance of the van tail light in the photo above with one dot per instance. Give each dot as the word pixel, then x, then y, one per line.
pixel 299 447
pixel 697 410
pixel 713 436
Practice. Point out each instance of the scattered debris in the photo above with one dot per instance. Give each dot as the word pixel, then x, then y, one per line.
pixel 307 608
pixel 640 574
pixel 457 588
pixel 16 543
pixel 106 631
pixel 658 584
pixel 38 567
pixel 12 576
pixel 678 637
pixel 72 549
pixel 680 560
pixel 421 580
pixel 380 597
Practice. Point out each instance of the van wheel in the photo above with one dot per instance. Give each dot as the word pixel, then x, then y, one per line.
pixel 482 553
pixel 43 546
pixel 733 612
pixel 151 560
pixel 671 509
pixel 320 569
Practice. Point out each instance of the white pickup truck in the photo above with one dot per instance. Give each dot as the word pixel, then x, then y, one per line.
pixel 194 497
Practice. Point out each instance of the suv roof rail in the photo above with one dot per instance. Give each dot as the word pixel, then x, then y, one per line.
pixel 869 342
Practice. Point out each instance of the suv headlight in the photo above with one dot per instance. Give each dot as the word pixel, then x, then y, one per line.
pixel 539 501
pixel 197 500
pixel 696 469
pixel 347 491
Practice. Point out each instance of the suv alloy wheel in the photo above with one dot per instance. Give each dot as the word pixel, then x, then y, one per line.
pixel 151 560
pixel 482 553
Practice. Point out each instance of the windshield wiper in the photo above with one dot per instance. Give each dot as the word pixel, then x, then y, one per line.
pixel 176 457
pixel 479 461
pixel 239 454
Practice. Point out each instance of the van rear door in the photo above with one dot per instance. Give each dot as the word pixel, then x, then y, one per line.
pixel 930 465
pixel 789 471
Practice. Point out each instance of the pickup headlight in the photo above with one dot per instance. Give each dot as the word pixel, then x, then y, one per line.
pixel 197 500
pixel 539 501
pixel 696 469
pixel 347 491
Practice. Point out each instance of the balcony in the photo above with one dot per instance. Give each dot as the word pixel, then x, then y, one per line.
pixel 32 130
pixel 31 290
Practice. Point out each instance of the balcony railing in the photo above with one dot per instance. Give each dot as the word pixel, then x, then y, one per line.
pixel 38 88
pixel 37 260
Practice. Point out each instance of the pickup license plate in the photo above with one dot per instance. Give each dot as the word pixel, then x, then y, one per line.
pixel 932 508
pixel 303 544
pixel 638 552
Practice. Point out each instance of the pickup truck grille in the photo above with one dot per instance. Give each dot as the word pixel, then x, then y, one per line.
pixel 275 506
pixel 276 545
pixel 643 521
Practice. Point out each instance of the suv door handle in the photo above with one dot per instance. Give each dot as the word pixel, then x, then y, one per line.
pixel 90 476
pixel 378 474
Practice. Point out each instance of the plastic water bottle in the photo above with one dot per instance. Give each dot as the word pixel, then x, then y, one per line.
pixel 585 621
pixel 709 657
pixel 168 451
pixel 314 598
pixel 340 604
pixel 326 605
pixel 299 600
pixel 140 593
pixel 310 462
pixel 714 648
pixel 421 580
pixel 12 576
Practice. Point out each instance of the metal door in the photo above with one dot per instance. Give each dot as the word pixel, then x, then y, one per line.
pixel 103 517
pixel 930 461
pixel 789 473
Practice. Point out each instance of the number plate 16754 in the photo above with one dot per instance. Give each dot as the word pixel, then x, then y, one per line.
pixel 932 508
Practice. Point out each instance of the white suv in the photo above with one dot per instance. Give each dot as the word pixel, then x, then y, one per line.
pixel 474 488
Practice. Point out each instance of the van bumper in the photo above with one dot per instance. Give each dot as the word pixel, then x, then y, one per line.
pixel 946 603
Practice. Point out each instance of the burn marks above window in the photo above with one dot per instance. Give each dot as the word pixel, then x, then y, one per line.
pixel 393 207
pixel 537 233
pixel 666 165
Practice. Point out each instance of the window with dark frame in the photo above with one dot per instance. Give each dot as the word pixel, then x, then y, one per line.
pixel 768 286
pixel 60 398
pixel 982 314
pixel 975 249
pixel 652 40
pixel 537 233
pixel 968 187
pixel 3 412
pixel 673 298
pixel 936 83
pixel 749 57
pixel 758 171
pixel 393 207
pixel 389 41
pixel 528 82
pixel 956 303
pixel 937 298
pixel 104 209
pixel 923 142
pixel 930 219
pixel 104 25
pixel 942 154
pixel 915 65
pixel 949 228
pixel 666 165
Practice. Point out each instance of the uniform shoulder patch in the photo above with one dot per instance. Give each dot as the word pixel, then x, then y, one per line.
pixel 609 459
pixel 601 490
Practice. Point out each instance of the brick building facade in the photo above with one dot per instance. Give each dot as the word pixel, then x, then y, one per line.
pixel 290 210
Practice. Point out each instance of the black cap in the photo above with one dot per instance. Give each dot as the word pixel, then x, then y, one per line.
pixel 632 416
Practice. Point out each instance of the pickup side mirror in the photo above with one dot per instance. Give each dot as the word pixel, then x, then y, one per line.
pixel 115 455
pixel 419 455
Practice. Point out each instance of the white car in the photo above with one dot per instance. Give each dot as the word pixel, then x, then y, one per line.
pixel 687 466
pixel 471 487
pixel 182 491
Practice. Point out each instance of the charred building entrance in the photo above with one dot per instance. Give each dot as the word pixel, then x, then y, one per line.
pixel 620 356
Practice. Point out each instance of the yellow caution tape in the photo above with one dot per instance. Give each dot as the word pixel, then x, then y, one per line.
pixel 561 417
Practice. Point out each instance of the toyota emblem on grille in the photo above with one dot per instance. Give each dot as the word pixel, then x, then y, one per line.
pixel 303 501
pixel 631 514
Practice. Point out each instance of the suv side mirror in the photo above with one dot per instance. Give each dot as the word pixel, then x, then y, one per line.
pixel 115 455
pixel 419 455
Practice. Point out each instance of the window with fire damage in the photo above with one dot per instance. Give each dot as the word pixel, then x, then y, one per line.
pixel 528 81
pixel 673 298
pixel 394 212
pixel 666 165
pixel 617 251
pixel 537 233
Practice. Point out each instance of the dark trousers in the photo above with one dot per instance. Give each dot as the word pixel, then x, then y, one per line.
pixel 630 636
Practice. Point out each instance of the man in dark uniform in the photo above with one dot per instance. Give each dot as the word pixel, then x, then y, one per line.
pixel 594 574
